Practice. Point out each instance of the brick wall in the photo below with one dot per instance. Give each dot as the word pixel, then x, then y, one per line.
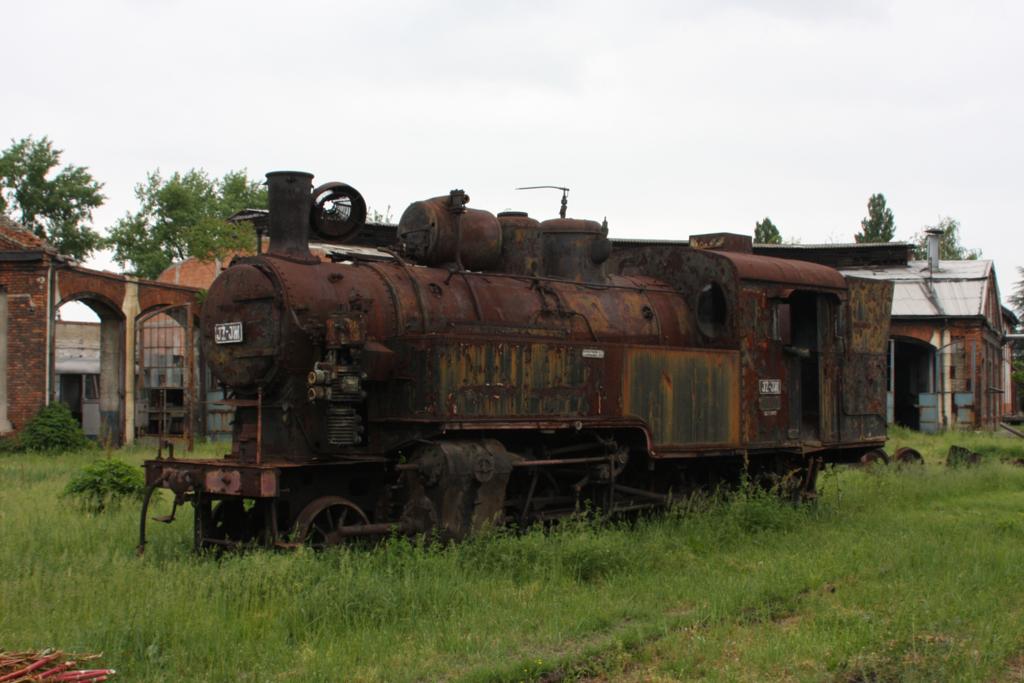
pixel 192 272
pixel 28 269
pixel 26 287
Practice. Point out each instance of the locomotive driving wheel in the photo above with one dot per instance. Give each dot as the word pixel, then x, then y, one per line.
pixel 324 522
pixel 908 456
pixel 875 455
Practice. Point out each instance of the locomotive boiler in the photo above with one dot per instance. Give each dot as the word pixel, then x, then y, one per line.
pixel 492 369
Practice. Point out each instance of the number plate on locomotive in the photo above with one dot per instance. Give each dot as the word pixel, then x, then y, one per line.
pixel 771 387
pixel 227 333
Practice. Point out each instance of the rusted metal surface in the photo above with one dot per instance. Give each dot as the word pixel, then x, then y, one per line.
pixel 521 243
pixel 959 456
pixel 1013 431
pixel 782 271
pixel 289 194
pixel 864 369
pixel 533 373
pixel 722 241
pixel 215 477
pixel 687 397
pixel 441 230
pixel 458 487
pixel 574 249
pixel 875 456
pixel 243 294
pixel 869 304
pixel 328 520
pixel 908 456
pixel 338 212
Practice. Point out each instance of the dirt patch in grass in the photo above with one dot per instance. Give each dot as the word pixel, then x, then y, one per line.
pixel 1014 670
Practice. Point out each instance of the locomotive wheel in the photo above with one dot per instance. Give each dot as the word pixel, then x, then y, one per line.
pixel 876 455
pixel 320 523
pixel 908 456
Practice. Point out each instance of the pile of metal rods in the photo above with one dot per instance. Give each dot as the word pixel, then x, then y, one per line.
pixel 48 665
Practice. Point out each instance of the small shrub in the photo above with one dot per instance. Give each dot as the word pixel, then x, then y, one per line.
pixel 10 444
pixel 53 430
pixel 104 484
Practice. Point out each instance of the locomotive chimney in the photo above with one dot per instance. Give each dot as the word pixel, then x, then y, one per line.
pixel 289 195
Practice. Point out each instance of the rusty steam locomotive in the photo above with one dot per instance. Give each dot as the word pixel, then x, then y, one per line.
pixel 492 369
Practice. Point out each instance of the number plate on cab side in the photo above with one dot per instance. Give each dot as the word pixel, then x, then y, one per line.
pixel 771 387
pixel 227 333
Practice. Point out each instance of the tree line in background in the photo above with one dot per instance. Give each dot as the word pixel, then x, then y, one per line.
pixel 183 215
pixel 1017 304
pixel 880 226
pixel 179 216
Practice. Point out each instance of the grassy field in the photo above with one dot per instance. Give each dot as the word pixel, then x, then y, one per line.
pixel 912 574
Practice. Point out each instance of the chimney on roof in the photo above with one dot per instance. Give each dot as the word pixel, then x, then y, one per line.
pixel 933 235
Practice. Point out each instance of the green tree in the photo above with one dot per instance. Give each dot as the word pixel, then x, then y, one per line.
pixel 765 232
pixel 55 202
pixel 950 248
pixel 1017 304
pixel 1017 298
pixel 184 216
pixel 878 226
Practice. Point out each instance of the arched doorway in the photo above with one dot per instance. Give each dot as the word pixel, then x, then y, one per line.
pixel 89 365
pixel 166 406
pixel 915 401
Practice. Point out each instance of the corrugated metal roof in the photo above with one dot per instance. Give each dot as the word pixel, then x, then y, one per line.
pixel 918 270
pixel 835 245
pixel 956 290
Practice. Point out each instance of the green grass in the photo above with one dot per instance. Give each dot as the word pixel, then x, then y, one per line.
pixel 896 574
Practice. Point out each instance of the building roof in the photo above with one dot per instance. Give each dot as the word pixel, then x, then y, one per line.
pixel 958 289
pixel 843 255
pixel 15 237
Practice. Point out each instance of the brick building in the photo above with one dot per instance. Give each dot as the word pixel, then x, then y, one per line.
pixel 947 345
pixel 34 282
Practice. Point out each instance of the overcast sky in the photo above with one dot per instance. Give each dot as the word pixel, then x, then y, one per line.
pixel 669 118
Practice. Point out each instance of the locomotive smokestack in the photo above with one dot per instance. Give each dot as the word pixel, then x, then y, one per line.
pixel 289 194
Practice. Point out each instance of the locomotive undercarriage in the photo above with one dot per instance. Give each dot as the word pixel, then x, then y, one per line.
pixel 453 487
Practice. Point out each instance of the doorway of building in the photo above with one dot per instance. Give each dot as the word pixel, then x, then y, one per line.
pixel 166 360
pixel 914 400
pixel 89 366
